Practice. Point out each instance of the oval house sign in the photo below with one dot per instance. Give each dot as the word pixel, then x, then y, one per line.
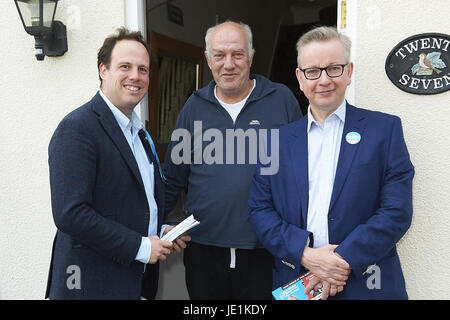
pixel 421 64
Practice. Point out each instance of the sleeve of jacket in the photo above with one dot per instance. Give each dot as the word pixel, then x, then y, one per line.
pixel 177 161
pixel 371 241
pixel 281 238
pixel 72 165
pixel 292 106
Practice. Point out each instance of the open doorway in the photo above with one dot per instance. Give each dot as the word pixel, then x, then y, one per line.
pixel 305 15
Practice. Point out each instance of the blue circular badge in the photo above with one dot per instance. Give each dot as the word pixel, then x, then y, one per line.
pixel 353 137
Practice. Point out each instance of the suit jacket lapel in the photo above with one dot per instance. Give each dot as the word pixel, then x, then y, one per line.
pixel 299 159
pixel 353 123
pixel 109 123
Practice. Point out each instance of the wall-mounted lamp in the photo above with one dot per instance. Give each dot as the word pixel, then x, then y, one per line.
pixel 37 18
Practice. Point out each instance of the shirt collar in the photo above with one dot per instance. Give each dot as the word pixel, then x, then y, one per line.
pixel 124 122
pixel 339 113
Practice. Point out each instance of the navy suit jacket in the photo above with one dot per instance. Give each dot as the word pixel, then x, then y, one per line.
pixel 100 209
pixel 370 207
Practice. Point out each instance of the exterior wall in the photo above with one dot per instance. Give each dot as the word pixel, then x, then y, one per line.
pixel 35 97
pixel 381 25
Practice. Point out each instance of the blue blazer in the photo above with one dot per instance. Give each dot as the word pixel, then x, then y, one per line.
pixel 370 207
pixel 100 209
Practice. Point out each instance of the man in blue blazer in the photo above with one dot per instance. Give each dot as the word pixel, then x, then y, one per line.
pixel 342 197
pixel 106 189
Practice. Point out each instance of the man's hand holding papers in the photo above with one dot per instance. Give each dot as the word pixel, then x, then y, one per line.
pixel 177 235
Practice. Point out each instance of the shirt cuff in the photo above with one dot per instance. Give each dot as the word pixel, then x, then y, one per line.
pixel 144 251
pixel 163 227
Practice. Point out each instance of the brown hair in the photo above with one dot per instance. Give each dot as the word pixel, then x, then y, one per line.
pixel 104 53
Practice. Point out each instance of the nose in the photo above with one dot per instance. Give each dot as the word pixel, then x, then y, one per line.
pixel 229 63
pixel 134 73
pixel 324 79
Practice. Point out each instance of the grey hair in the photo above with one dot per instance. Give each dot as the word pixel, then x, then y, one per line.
pixel 247 30
pixel 324 34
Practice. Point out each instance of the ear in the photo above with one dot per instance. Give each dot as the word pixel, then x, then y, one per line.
pixel 251 57
pixel 207 59
pixel 299 78
pixel 349 72
pixel 102 69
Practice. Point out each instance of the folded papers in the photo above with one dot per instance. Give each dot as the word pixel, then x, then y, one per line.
pixel 185 225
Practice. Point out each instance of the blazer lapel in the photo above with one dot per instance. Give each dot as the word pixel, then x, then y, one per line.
pixel 109 123
pixel 353 123
pixel 299 159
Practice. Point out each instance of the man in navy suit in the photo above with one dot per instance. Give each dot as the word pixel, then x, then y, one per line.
pixel 106 189
pixel 342 197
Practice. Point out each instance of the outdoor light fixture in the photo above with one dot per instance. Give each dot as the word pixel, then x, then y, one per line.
pixel 37 18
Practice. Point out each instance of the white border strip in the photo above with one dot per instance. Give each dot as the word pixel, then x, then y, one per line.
pixel 350 31
pixel 136 20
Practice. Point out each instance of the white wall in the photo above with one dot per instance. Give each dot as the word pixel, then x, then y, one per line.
pixel 381 25
pixel 35 95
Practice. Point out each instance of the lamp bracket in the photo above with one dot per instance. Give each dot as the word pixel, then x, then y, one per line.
pixel 56 41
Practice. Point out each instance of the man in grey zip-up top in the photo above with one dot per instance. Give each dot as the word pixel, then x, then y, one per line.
pixel 220 128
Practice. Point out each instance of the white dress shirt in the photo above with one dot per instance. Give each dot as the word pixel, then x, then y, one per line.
pixel 130 129
pixel 324 143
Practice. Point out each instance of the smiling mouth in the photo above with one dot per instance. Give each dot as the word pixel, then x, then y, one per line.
pixel 132 88
pixel 326 91
pixel 229 75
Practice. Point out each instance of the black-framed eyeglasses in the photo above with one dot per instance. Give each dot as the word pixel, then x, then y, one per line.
pixel 333 71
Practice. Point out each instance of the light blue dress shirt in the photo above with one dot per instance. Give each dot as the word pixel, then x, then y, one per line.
pixel 130 129
pixel 324 143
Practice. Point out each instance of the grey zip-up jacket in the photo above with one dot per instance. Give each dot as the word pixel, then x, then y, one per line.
pixel 217 166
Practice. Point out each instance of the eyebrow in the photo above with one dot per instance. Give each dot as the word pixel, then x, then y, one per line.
pixel 222 50
pixel 328 65
pixel 129 63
